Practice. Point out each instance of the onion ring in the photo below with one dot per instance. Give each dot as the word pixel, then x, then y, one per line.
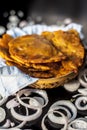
pixel 57 109
pixel 34 104
pixel 40 92
pixel 2 114
pixel 68 104
pixel 83 78
pixel 83 91
pixel 10 107
pixel 65 122
pixel 78 102
pixel 77 124
pixel 28 117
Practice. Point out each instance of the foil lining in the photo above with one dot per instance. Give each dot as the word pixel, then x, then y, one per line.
pixel 11 78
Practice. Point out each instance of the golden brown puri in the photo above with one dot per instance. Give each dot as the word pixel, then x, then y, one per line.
pixel 4 40
pixel 69 43
pixel 49 55
pixel 4 49
pixel 34 49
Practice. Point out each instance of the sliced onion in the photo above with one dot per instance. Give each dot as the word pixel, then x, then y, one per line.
pixel 83 91
pixel 58 108
pixel 83 78
pixel 42 93
pixel 28 117
pixel 67 104
pixel 15 104
pixel 7 124
pixel 12 103
pixel 77 124
pixel 2 114
pixel 72 86
pixel 78 103
pixel 39 99
pixel 76 95
pixel 62 120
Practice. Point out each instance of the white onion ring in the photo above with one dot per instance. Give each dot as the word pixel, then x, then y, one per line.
pixel 78 101
pixel 39 99
pixel 57 109
pixel 2 114
pixel 82 78
pixel 66 103
pixel 77 124
pixel 85 75
pixel 7 124
pixel 15 105
pixel 42 93
pixel 83 91
pixel 34 104
pixel 65 122
pixel 12 103
pixel 28 117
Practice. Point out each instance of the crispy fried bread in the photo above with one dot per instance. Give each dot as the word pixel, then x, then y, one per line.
pixel 34 49
pixel 49 55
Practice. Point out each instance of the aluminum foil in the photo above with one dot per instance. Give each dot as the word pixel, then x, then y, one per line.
pixel 11 78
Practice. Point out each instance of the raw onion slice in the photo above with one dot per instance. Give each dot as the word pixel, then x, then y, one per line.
pixel 39 99
pixel 59 108
pixel 72 86
pixel 83 78
pixel 7 124
pixel 67 104
pixel 62 120
pixel 42 93
pixel 28 117
pixel 83 91
pixel 79 100
pixel 33 103
pixel 11 104
pixel 77 124
pixel 2 114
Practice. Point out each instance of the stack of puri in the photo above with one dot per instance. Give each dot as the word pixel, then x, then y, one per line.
pixel 52 57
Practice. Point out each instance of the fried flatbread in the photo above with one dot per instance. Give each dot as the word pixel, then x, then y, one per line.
pixel 34 49
pixel 49 55
pixel 69 43
pixel 4 49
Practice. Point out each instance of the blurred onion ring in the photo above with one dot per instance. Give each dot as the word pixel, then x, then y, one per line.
pixel 62 120
pixel 42 93
pixel 78 101
pixel 58 108
pixel 83 78
pixel 67 104
pixel 7 123
pixel 78 124
pixel 27 117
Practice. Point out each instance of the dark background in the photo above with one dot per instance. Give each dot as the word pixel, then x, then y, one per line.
pixel 76 9
pixel 50 11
